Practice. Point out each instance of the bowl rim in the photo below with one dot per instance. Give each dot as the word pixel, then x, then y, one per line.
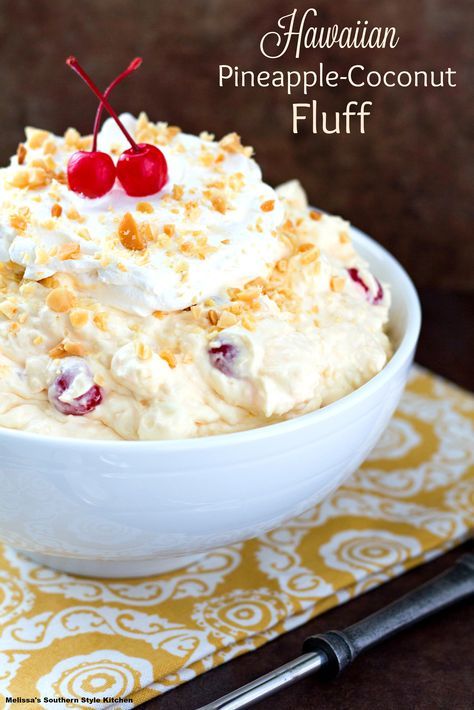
pixel 400 357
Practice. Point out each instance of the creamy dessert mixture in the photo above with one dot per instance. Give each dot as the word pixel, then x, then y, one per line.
pixel 215 305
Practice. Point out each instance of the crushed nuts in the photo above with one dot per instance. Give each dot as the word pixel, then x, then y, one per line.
pixel 60 300
pixel 168 357
pixel 129 234
pixel 145 207
pixel 143 351
pixel 21 153
pixel 78 317
pixel 69 251
pixel 337 283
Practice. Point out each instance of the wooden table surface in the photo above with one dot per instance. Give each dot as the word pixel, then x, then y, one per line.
pixel 428 667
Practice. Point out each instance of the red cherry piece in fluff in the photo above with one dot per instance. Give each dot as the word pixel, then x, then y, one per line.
pixel 223 356
pixel 138 175
pixel 371 297
pixel 77 406
pixel 92 173
pixel 142 173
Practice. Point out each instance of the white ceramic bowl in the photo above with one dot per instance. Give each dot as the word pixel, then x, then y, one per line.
pixel 112 508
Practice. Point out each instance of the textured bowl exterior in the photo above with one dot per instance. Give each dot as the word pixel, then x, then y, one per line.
pixel 113 508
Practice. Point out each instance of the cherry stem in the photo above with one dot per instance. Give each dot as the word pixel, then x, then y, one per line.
pixel 75 66
pixel 98 116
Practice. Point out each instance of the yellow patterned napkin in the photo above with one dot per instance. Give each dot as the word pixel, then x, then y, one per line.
pixel 68 637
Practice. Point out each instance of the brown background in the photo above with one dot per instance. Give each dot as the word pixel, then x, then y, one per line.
pixel 408 181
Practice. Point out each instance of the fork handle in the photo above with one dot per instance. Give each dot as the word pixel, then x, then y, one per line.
pixel 342 647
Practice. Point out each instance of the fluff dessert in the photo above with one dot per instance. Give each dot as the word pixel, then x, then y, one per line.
pixel 212 305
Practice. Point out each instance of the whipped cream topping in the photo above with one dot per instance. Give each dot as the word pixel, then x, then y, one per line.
pixel 212 227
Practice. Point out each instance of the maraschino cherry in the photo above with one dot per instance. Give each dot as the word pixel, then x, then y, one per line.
pixel 142 169
pixel 374 298
pixel 72 368
pixel 92 173
pixel 223 356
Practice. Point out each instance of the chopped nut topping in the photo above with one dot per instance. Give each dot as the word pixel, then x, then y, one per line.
pixel 75 141
pixel 192 209
pixel 60 300
pixel 29 178
pixel 205 136
pixel 213 317
pixel 219 203
pixel 199 248
pixel 307 246
pixel 337 283
pixel 186 247
pixel 146 232
pixel 177 192
pixel 57 352
pixel 49 147
pixel 20 219
pixel 36 137
pixel 227 319
pixel 66 348
pixel 78 317
pixel 168 357
pixel 249 322
pixel 148 132
pixel 8 309
pixel 74 215
pixel 236 181
pixel 344 238
pixel 47 164
pixel 146 207
pixel 74 349
pixel 247 294
pixel 129 234
pixel 267 206
pixel 143 351
pixel 315 215
pixel 84 234
pixel 42 256
pixel 56 210
pixel 310 256
pixel 231 143
pixel 236 308
pixel 49 282
pixel 100 320
pixel 282 265
pixel 69 251
pixel 196 311
pixel 207 158
pixel 21 153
